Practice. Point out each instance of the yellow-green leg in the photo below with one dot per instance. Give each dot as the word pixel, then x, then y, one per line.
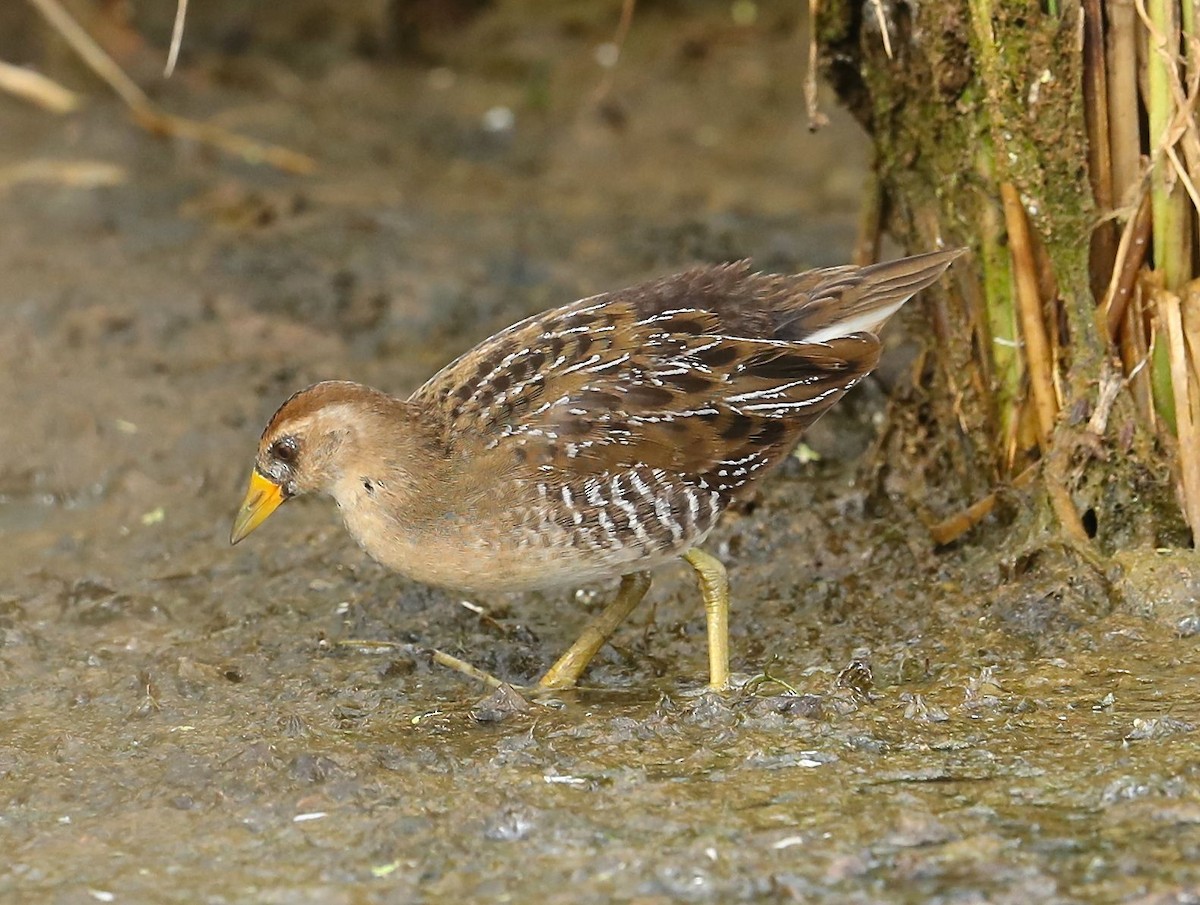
pixel 714 588
pixel 570 666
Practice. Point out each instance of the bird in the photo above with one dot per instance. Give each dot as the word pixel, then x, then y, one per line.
pixel 591 442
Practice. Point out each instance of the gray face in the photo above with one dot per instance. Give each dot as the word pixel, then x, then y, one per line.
pixel 278 463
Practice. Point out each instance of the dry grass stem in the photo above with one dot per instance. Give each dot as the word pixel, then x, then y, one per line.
pixel 1095 109
pixel 439 657
pixel 1135 355
pixel 951 529
pixel 881 21
pixel 176 38
pixel 816 119
pixel 1182 173
pixel 1190 301
pixel 462 666
pixel 247 149
pixel 147 114
pixel 1122 86
pixel 1038 359
pixel 1111 384
pixel 1096 106
pixel 92 53
pixel 1131 255
pixel 37 89
pixel 623 25
pixel 1172 234
pixel 85 174
pixel 1185 414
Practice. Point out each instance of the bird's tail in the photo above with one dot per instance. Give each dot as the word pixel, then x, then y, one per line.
pixel 846 300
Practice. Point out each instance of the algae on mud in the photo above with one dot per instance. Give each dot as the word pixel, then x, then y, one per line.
pixel 169 708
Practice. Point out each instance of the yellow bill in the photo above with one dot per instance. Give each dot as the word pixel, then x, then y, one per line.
pixel 262 498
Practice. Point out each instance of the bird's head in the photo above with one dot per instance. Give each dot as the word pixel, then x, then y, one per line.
pixel 310 442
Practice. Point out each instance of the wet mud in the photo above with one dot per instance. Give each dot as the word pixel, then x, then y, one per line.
pixel 181 721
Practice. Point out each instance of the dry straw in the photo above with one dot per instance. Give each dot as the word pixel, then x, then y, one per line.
pixel 1143 171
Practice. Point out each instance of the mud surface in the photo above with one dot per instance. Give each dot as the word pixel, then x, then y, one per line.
pixel 185 722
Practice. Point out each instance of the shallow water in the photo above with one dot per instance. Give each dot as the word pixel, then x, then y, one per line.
pixel 182 721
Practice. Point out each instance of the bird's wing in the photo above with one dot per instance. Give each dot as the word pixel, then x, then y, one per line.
pixel 688 375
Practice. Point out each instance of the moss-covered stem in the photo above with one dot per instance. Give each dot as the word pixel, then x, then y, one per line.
pixel 1004 349
pixel 996 266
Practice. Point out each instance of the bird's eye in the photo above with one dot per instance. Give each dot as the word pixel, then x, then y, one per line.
pixel 285 450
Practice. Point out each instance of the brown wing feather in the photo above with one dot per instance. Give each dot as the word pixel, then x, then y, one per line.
pixel 853 299
pixel 706 374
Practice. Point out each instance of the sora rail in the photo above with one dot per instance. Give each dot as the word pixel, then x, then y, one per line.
pixel 593 441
